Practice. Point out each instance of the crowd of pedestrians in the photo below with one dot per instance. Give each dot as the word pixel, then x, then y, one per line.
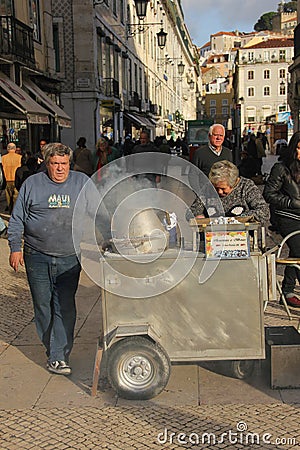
pixel 18 165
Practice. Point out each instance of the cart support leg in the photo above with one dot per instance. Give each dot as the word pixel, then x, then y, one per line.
pixel 96 373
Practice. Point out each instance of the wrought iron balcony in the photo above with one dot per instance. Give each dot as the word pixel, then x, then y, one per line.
pixel 16 40
pixel 111 87
pixel 135 100
pixel 154 109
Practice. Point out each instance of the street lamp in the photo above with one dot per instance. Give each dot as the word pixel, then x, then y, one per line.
pixel 192 85
pixel 141 27
pixel 180 68
pixel 141 8
pixel 283 91
pixel 170 60
pixel 161 38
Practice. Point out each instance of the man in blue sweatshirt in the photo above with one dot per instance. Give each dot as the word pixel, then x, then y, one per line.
pixel 43 217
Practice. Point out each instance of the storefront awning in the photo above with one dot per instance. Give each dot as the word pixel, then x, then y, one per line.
pixel 148 122
pixel 139 120
pixel 61 117
pixel 17 97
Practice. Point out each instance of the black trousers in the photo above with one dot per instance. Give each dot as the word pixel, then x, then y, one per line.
pixel 291 274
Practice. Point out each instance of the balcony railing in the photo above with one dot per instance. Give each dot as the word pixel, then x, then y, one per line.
pixel 16 40
pixel 135 100
pixel 154 108
pixel 111 87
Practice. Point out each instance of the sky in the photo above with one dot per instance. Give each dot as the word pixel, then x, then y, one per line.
pixel 206 17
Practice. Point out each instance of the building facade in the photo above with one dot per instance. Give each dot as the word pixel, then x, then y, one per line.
pixel 261 82
pixel 284 22
pixel 29 88
pixel 116 80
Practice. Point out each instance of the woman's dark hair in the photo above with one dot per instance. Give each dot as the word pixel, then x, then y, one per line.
pixel 25 157
pixel 81 142
pixel 32 164
pixel 290 157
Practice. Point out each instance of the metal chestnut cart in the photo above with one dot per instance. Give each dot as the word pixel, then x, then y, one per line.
pixel 220 318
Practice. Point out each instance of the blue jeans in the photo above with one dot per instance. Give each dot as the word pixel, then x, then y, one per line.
pixel 53 282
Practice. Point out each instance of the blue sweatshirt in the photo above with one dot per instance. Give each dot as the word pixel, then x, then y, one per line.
pixel 43 213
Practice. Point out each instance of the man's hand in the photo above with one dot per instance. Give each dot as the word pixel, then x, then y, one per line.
pixel 15 259
pixel 295 203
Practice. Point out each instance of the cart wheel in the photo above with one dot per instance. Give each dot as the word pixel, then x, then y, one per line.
pixel 137 368
pixel 241 369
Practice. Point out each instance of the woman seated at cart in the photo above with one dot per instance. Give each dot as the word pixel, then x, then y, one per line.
pixel 239 196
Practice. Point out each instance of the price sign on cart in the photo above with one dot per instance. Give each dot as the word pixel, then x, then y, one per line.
pixel 227 245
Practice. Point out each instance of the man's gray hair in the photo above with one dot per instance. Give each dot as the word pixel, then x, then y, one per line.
pixel 224 171
pixel 56 149
pixel 11 146
pixel 211 128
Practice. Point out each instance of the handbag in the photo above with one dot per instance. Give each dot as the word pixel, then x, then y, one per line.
pixel 2 178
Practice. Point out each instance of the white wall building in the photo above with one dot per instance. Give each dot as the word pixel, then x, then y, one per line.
pixel 115 78
pixel 261 84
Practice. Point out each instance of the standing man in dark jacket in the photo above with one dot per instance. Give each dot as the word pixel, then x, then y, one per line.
pixel 214 151
pixel 206 155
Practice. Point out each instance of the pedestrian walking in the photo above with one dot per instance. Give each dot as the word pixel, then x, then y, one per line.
pixel 83 158
pixel 253 151
pixel 28 167
pixel 10 162
pixel 41 165
pixel 43 216
pixel 105 153
pixel 146 146
pixel 166 149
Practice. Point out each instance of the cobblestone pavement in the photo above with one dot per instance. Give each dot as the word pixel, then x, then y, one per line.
pixel 217 414
pixel 121 428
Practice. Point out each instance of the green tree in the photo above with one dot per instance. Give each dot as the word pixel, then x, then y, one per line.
pixel 290 7
pixel 265 22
